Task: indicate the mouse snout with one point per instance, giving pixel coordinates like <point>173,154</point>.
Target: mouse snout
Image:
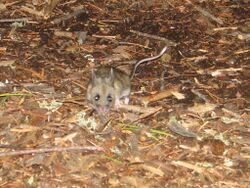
<point>103,109</point>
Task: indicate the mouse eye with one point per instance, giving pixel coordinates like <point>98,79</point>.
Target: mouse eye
<point>109,98</point>
<point>97,97</point>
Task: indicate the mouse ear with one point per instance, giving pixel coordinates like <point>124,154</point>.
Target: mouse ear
<point>93,75</point>
<point>111,74</point>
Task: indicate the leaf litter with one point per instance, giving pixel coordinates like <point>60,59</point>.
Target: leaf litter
<point>51,137</point>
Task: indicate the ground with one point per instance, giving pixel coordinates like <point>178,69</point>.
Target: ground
<point>188,120</point>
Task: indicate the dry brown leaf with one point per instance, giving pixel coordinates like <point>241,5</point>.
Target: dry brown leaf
<point>153,170</point>
<point>202,108</point>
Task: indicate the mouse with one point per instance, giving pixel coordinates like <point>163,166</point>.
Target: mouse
<point>108,86</point>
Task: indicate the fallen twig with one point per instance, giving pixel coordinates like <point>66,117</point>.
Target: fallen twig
<point>95,7</point>
<point>225,28</point>
<point>224,72</point>
<point>159,96</point>
<point>196,168</point>
<point>242,51</point>
<point>167,41</point>
<point>207,173</point>
<point>54,149</point>
<point>134,44</point>
<point>14,20</point>
<point>109,37</point>
<point>206,13</point>
<point>139,109</point>
<point>34,87</point>
<point>15,94</point>
<point>144,111</point>
<point>153,111</point>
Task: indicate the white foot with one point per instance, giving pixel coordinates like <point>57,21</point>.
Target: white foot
<point>117,104</point>
<point>126,100</point>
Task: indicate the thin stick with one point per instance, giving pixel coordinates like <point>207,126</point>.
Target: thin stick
<point>134,44</point>
<point>198,169</point>
<point>7,20</point>
<point>144,111</point>
<point>54,149</point>
<point>168,42</point>
<point>159,96</point>
<point>95,7</point>
<point>206,13</point>
<point>139,109</point>
<point>225,28</point>
<point>143,116</point>
<point>110,37</point>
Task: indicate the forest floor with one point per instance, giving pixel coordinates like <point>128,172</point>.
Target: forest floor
<point>188,121</point>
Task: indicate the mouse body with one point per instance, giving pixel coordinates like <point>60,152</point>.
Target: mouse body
<point>108,86</point>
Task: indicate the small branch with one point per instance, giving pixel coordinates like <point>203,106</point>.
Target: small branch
<point>225,28</point>
<point>226,71</point>
<point>7,20</point>
<point>242,51</point>
<point>95,7</point>
<point>197,169</point>
<point>15,94</point>
<point>109,37</point>
<point>159,96</point>
<point>139,109</point>
<point>144,111</point>
<point>54,149</point>
<point>151,112</point>
<point>167,42</point>
<point>134,44</point>
<point>206,13</point>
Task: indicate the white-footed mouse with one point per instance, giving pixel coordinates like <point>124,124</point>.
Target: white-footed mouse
<point>108,85</point>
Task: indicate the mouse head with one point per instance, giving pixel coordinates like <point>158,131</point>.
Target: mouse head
<point>100,91</point>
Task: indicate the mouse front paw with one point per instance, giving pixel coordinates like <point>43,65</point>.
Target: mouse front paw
<point>126,100</point>
<point>117,104</point>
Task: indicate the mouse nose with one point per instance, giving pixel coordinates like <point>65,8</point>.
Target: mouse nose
<point>103,110</point>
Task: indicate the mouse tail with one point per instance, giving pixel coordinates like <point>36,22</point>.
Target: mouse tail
<point>146,60</point>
